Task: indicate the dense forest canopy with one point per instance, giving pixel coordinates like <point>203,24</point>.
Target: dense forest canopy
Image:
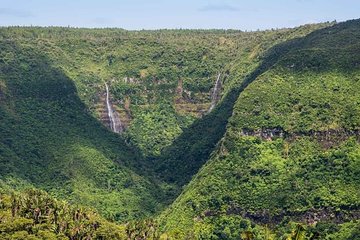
<point>278,157</point>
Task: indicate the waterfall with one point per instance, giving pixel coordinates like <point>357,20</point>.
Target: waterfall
<point>114,119</point>
<point>215,95</point>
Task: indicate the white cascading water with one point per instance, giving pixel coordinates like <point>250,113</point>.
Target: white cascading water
<point>115,122</point>
<point>216,93</point>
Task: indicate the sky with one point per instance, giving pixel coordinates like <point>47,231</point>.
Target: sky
<point>159,14</point>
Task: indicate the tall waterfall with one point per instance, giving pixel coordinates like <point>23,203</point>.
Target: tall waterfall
<point>215,95</point>
<point>114,119</point>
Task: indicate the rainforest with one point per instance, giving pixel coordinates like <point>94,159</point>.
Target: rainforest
<point>108,133</point>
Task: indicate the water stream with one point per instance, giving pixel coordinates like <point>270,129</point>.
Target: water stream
<point>114,119</point>
<point>215,96</point>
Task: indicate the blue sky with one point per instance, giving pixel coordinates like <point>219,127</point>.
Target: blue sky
<point>155,14</point>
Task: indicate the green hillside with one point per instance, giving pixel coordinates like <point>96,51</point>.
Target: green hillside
<point>52,87</point>
<point>167,72</point>
<point>50,141</point>
<point>277,158</point>
<point>147,71</point>
<point>194,146</point>
<point>290,152</point>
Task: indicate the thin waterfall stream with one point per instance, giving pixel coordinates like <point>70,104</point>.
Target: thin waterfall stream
<point>215,96</point>
<point>114,119</point>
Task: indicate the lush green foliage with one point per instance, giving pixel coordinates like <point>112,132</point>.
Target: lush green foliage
<point>144,67</point>
<point>155,127</point>
<point>291,148</point>
<point>310,87</point>
<point>283,142</point>
<point>49,140</point>
<point>266,181</point>
<point>35,215</point>
<point>194,146</point>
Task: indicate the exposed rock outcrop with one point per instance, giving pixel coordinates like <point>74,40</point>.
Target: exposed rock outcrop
<point>327,139</point>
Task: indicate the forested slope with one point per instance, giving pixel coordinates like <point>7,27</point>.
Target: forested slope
<point>49,140</point>
<point>278,157</point>
<point>181,160</point>
<point>160,81</point>
<point>52,86</point>
<point>290,153</point>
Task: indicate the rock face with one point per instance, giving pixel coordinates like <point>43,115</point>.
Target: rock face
<point>311,216</point>
<point>267,134</point>
<point>326,139</point>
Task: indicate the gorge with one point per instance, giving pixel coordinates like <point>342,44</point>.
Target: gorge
<point>199,134</point>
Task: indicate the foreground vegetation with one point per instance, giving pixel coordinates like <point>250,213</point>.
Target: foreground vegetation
<point>35,215</point>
